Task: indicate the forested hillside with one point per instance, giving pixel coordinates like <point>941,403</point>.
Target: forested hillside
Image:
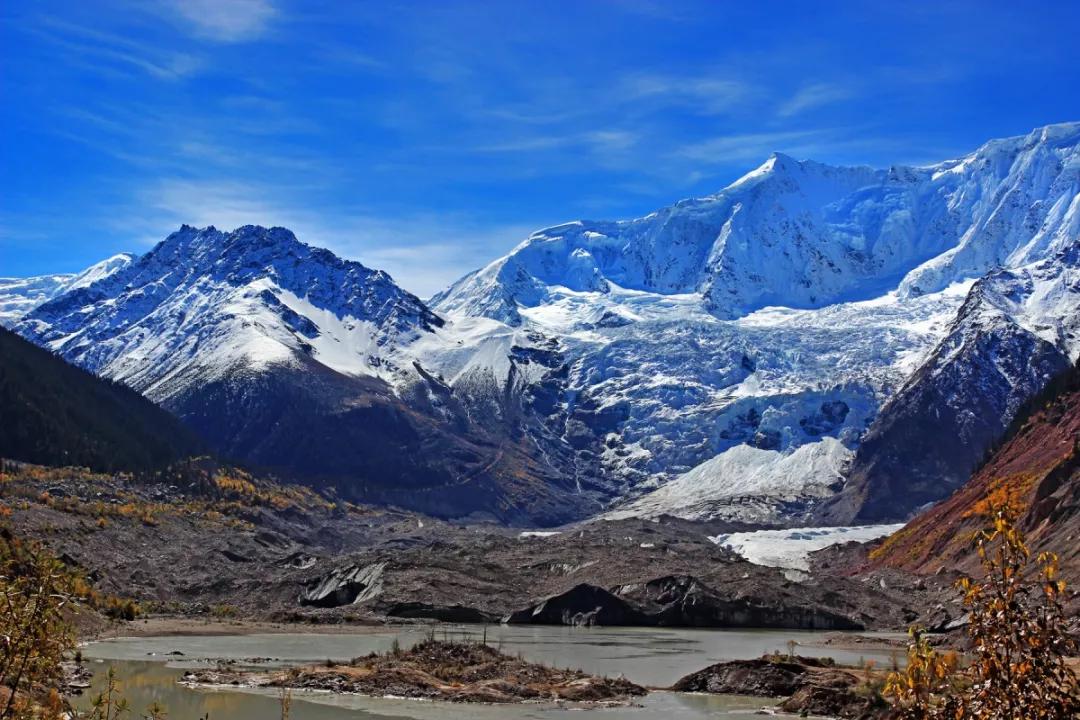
<point>53,413</point>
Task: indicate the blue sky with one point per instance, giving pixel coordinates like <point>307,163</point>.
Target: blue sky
<point>428,138</point>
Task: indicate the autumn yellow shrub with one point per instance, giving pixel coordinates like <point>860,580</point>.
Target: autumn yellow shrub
<point>1018,630</point>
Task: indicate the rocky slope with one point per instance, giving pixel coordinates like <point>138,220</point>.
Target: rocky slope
<point>212,540</point>
<point>1036,472</point>
<point>1016,329</point>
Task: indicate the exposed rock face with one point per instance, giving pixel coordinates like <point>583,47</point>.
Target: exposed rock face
<point>1036,471</point>
<point>746,677</point>
<point>580,605</point>
<point>345,586</point>
<point>685,601</point>
<point>673,601</point>
<point>442,613</point>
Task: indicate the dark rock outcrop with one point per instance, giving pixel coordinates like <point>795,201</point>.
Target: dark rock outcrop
<point>580,605</point>
<point>343,586</point>
<point>745,677</point>
<point>442,613</point>
<point>685,601</point>
<point>811,686</point>
<point>673,601</point>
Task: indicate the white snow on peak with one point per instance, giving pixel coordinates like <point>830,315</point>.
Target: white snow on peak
<point>18,296</point>
<point>99,271</point>
<point>204,304</point>
<point>803,234</point>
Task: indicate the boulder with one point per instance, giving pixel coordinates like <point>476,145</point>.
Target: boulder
<point>684,601</point>
<point>829,701</point>
<point>746,677</point>
<point>580,605</point>
<point>344,586</point>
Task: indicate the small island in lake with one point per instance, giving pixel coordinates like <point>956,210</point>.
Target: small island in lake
<point>810,686</point>
<point>436,670</point>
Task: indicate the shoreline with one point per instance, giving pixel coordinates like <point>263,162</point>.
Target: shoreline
<point>180,626</point>
<point>183,626</point>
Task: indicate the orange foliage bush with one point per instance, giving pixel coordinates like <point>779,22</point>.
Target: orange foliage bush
<point>1020,644</point>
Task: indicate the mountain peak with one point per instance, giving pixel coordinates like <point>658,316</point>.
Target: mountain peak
<point>250,298</point>
<point>802,234</point>
<point>245,236</point>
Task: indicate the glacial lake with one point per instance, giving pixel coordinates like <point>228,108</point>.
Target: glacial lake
<point>148,669</point>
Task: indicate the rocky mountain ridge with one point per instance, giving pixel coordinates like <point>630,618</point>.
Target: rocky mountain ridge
<point>765,354</point>
<point>1035,472</point>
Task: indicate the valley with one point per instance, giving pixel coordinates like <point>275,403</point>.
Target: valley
<point>621,359</point>
<point>777,414</point>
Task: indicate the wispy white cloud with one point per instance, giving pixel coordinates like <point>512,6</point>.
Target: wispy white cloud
<point>225,20</point>
<point>706,95</point>
<point>111,53</point>
<point>343,59</point>
<point>751,147</point>
<point>851,145</point>
<point>813,96</point>
<point>598,142</point>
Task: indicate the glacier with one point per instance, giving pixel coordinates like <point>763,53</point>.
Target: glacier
<point>790,548</point>
<point>746,342</point>
<point>757,355</point>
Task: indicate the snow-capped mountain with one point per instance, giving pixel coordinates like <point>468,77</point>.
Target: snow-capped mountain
<point>296,360</point>
<point>19,296</point>
<point>204,302</point>
<point>779,352</point>
<point>734,349</point>
<point>802,234</point>
<point>1017,328</point>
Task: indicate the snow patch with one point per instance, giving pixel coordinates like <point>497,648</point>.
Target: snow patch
<point>791,548</point>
